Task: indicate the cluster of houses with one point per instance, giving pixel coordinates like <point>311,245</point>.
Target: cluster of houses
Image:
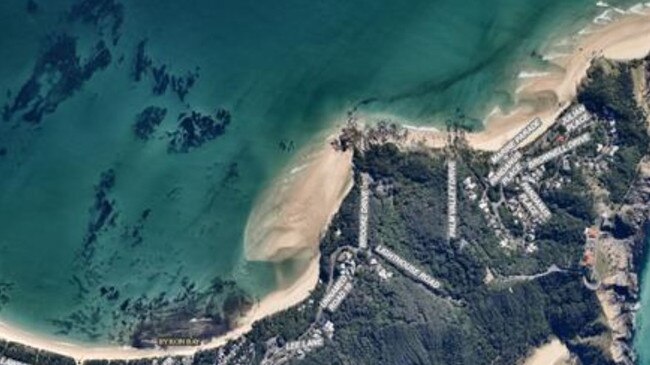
<point>559,151</point>
<point>470,188</point>
<point>508,170</point>
<point>534,204</point>
<point>575,118</point>
<point>382,272</point>
<point>345,263</point>
<point>514,142</point>
<point>493,222</point>
<point>527,207</point>
<point>314,339</point>
<point>311,340</point>
<point>512,166</point>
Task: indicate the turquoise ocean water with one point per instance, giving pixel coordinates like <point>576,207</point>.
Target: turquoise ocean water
<point>97,223</point>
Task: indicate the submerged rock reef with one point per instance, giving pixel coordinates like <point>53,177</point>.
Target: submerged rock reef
<point>5,289</point>
<point>59,72</point>
<point>62,68</point>
<point>147,121</point>
<point>161,77</point>
<point>195,313</point>
<point>103,213</point>
<point>101,14</point>
<point>182,308</point>
<point>195,129</point>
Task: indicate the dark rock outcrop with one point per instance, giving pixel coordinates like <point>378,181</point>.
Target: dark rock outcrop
<point>102,213</point>
<point>32,7</point>
<point>147,121</point>
<point>99,13</point>
<point>142,62</point>
<point>163,79</point>
<point>57,75</point>
<point>195,129</point>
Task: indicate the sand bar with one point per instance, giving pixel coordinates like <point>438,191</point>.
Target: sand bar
<point>290,217</point>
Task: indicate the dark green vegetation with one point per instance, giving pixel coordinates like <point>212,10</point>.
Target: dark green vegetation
<point>399,321</point>
<point>609,93</point>
<point>32,356</point>
<point>561,239</point>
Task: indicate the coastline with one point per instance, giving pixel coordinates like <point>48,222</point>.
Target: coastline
<point>544,94</point>
<point>289,217</point>
<point>272,303</point>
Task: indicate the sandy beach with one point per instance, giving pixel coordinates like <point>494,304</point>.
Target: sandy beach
<point>280,299</point>
<point>552,353</point>
<point>291,216</point>
<point>547,93</point>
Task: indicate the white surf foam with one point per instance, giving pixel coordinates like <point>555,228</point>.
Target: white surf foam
<point>604,18</point>
<point>584,31</point>
<point>421,128</point>
<point>531,74</point>
<point>554,55</point>
<point>298,168</point>
<point>637,9</point>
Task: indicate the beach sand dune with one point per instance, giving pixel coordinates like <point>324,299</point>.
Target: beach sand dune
<point>291,216</point>
<point>546,96</point>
